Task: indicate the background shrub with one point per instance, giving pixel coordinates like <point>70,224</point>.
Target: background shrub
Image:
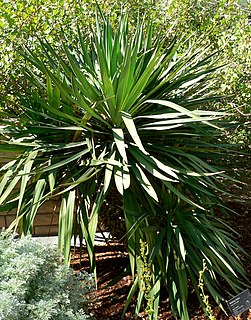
<point>224,25</point>
<point>34,285</point>
<point>23,22</point>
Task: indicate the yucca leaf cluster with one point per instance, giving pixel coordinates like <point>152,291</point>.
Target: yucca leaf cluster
<point>125,109</point>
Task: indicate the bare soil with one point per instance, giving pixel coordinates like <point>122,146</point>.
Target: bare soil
<point>109,299</point>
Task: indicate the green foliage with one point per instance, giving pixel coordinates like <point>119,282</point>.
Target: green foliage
<point>225,26</point>
<point>205,297</point>
<point>125,109</point>
<point>34,285</point>
<point>23,22</point>
<point>145,278</point>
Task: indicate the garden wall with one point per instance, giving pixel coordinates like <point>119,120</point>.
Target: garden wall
<point>46,221</point>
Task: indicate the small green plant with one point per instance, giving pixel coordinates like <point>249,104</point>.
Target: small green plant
<point>203,295</point>
<point>145,283</point>
<point>35,286</point>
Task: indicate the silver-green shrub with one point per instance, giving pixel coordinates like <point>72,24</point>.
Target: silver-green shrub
<point>34,285</point>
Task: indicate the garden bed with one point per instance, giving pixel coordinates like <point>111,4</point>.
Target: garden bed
<point>109,300</point>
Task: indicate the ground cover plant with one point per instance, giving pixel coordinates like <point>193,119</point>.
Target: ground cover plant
<point>124,110</point>
<point>35,285</point>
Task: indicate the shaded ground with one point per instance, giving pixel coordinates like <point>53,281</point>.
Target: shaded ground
<point>108,301</point>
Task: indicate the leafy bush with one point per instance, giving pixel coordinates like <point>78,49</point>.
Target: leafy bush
<point>23,22</point>
<point>34,285</point>
<point>224,26</point>
<point>124,110</point>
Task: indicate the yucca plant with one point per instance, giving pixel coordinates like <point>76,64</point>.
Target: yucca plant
<point>124,109</point>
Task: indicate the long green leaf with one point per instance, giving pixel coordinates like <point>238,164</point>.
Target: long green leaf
<point>66,216</point>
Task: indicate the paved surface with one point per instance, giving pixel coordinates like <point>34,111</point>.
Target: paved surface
<point>53,240</point>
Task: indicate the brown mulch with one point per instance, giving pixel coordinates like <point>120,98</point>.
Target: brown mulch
<point>109,299</point>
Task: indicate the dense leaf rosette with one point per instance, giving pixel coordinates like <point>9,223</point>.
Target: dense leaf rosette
<point>125,110</point>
